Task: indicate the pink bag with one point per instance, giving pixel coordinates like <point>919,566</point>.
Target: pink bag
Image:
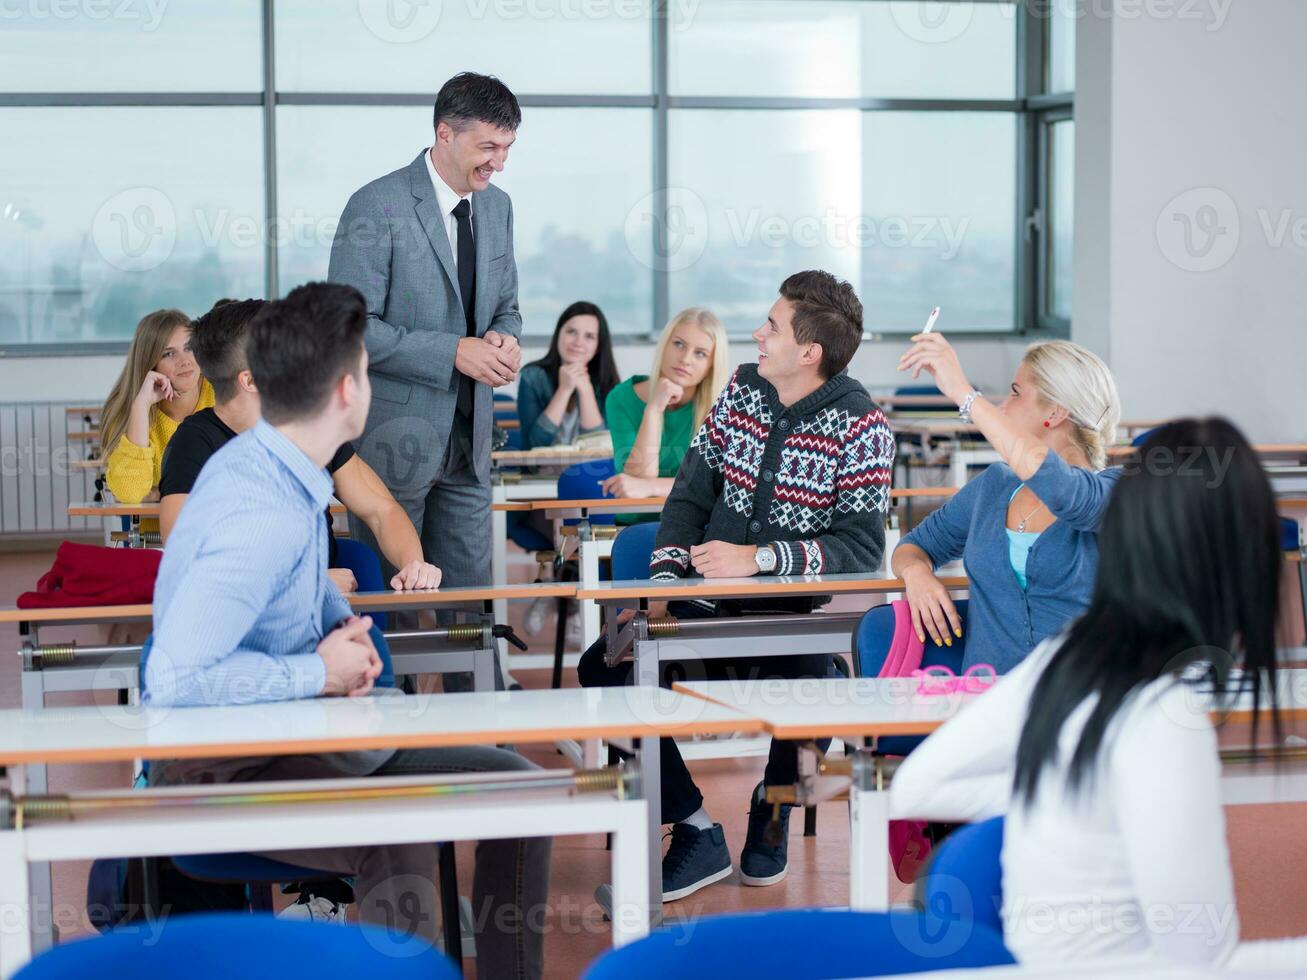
<point>909,847</point>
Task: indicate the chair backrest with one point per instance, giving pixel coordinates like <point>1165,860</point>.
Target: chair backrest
<point>366,566</point>
<point>965,878</point>
<point>1290,535</point>
<point>584,482</point>
<point>1142,438</point>
<point>929,390</point>
<point>632,549</point>
<point>213,946</point>
<point>816,944</point>
<point>875,633</point>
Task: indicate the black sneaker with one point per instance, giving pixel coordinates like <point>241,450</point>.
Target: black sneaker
<point>763,862</point>
<point>696,858</point>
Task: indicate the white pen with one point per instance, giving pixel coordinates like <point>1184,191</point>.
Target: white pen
<point>930,323</point>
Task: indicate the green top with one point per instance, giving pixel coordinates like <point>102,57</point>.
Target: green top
<point>624,410</point>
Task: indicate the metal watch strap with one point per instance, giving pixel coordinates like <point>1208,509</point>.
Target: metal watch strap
<point>964,410</point>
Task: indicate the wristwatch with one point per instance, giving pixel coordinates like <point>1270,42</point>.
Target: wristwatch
<point>765,559</point>
<point>964,410</point>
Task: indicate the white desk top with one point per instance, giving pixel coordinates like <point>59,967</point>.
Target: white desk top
<point>818,707</point>
<point>108,733</point>
<point>813,708</point>
<point>758,585</point>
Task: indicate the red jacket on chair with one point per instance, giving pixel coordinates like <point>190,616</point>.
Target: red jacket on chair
<point>89,575</point>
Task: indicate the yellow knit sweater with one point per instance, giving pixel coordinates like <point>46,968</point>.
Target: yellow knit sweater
<point>133,471</point>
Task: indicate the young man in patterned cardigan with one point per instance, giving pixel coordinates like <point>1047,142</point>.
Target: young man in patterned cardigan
<point>789,475</point>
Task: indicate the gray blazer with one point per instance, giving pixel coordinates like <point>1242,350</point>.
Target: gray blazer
<point>392,247</point>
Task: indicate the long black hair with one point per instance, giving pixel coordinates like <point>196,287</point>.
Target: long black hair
<point>603,368</point>
<point>1189,566</point>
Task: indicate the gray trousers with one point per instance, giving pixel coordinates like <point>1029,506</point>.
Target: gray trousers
<point>452,518</point>
<point>394,884</point>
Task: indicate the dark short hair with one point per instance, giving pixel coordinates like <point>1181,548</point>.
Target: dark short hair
<point>218,343</point>
<point>300,346</point>
<point>828,312</point>
<point>469,97</point>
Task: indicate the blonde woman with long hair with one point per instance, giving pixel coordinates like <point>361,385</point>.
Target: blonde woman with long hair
<point>1028,526</point>
<point>159,386</point>
<point>653,418</point>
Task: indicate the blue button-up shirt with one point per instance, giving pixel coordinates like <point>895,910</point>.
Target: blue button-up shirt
<point>243,598</point>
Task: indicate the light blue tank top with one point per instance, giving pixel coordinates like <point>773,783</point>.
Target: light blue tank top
<point>1019,544</point>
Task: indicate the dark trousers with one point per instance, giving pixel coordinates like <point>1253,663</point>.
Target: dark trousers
<point>680,796</point>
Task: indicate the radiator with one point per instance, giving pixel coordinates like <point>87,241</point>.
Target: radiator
<point>37,477</point>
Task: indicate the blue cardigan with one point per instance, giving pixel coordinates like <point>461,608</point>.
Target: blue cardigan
<point>1004,621</point>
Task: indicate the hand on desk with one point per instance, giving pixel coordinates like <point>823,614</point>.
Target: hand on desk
<point>351,661</point>
<point>416,575</point>
<point>717,559</point>
<point>492,362</point>
<point>625,485</point>
<point>343,579</point>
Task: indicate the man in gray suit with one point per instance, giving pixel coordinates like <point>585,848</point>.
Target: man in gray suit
<point>430,247</point>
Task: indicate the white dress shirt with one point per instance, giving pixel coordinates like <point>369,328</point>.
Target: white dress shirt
<point>448,200</point>
<point>1135,864</point>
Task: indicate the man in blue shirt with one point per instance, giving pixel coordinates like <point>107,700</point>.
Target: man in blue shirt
<point>244,612</point>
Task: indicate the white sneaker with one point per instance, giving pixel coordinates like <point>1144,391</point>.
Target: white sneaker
<point>534,620</point>
<point>315,908</point>
<point>573,636</point>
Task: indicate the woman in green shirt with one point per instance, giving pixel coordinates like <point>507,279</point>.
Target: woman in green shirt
<point>653,419</point>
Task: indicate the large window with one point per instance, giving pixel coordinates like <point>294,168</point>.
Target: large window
<point>672,152</point>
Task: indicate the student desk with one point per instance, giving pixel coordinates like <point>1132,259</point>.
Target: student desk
<point>37,829</point>
<point>650,642</point>
<point>867,708</point>
<point>49,668</point>
<point>111,511</point>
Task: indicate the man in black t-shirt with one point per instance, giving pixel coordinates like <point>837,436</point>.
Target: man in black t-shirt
<point>218,342</point>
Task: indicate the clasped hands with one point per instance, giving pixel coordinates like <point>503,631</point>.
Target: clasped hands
<point>493,359</point>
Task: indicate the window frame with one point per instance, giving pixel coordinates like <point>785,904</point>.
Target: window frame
<point>1035,110</point>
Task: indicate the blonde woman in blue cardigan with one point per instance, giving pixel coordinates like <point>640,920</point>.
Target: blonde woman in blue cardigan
<point>1027,528</point>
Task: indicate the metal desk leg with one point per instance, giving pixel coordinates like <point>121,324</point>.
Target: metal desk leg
<point>15,937</point>
<point>35,779</point>
<point>646,675</point>
<point>631,910</point>
<point>499,570</point>
<point>869,849</point>
<point>588,558</point>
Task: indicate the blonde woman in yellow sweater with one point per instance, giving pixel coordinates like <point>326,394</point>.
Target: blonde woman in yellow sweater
<point>160,385</point>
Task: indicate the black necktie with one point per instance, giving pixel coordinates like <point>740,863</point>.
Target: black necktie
<point>467,285</point>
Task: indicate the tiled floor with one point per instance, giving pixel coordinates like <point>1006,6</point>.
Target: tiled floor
<point>1269,845</point>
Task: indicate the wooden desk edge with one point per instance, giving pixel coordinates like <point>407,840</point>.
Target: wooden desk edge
<point>744,724</point>
<point>702,588</point>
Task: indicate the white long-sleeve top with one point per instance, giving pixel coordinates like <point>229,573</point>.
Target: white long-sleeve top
<point>1134,864</point>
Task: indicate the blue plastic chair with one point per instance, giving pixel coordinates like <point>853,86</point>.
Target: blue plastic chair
<point>584,482</point>
<point>1142,438</point>
<point>871,643</point>
<point>632,549</point>
<point>220,946</point>
<point>366,566</point>
<point>965,877</point>
<point>804,944</point>
<point>1290,535</point>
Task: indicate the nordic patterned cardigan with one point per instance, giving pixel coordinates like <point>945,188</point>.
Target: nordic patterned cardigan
<point>812,480</point>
